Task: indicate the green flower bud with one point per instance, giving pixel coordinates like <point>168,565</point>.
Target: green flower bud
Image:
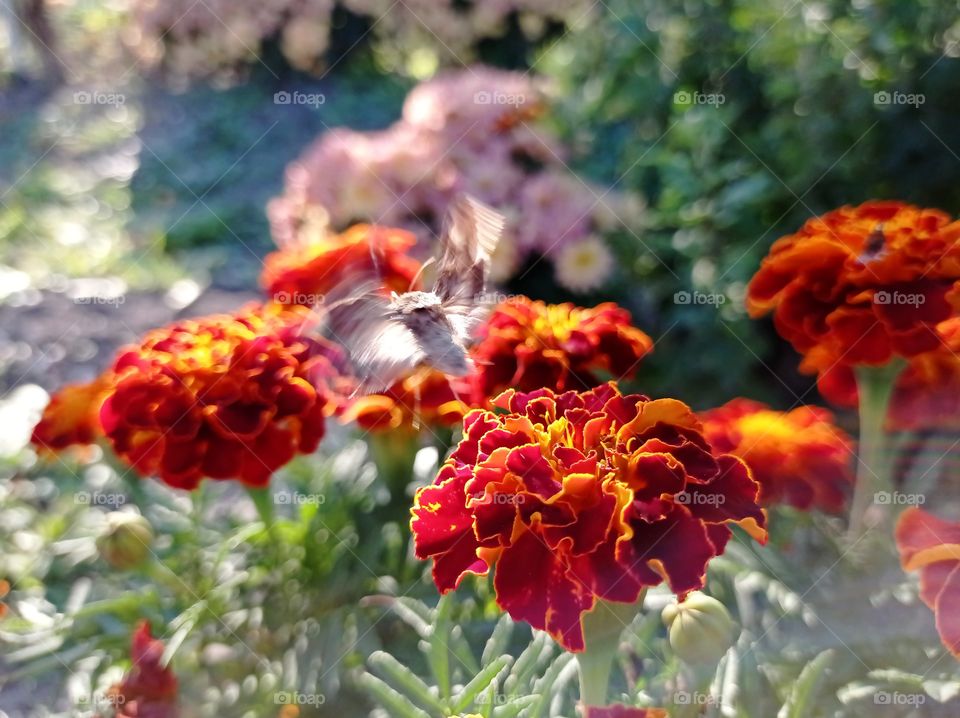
<point>700,628</point>
<point>126,541</point>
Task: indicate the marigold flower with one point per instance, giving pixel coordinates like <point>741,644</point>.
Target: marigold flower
<point>4,590</point>
<point>861,285</point>
<point>580,497</point>
<point>799,457</point>
<point>424,397</point>
<point>303,273</point>
<point>225,396</point>
<point>528,344</point>
<point>926,393</point>
<point>72,418</point>
<point>148,690</point>
<point>932,546</point>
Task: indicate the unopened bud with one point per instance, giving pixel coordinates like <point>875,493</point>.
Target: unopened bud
<point>126,541</point>
<point>700,628</point>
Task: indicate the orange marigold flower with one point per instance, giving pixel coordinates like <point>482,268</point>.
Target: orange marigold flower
<point>426,396</point>
<point>799,457</point>
<point>861,285</point>
<point>304,273</point>
<point>926,393</point>
<point>72,418</point>
<point>225,396</point>
<point>932,546</point>
<point>580,497</point>
<point>148,690</point>
<point>4,590</point>
<point>528,344</point>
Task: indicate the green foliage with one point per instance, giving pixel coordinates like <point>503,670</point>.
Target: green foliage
<point>538,682</point>
<point>785,126</point>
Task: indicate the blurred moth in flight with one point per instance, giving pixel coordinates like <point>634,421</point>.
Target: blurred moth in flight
<point>387,336</point>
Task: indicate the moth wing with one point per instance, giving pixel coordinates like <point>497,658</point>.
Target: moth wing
<point>469,238</point>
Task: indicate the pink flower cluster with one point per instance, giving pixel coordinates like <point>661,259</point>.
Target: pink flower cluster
<point>196,38</point>
<point>470,130</point>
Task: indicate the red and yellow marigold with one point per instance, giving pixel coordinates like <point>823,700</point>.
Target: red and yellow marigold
<point>926,393</point>
<point>72,418</point>
<point>425,397</point>
<point>799,457</point>
<point>580,497</point>
<point>226,397</point>
<point>305,273</point>
<point>528,344</point>
<point>862,285</point>
<point>930,545</point>
<point>149,689</point>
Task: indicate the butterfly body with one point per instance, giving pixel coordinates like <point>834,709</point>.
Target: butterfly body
<point>386,337</point>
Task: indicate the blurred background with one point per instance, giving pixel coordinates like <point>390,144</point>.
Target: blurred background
<point>153,152</point>
<point>142,142</point>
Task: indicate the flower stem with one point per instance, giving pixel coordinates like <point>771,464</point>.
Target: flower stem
<point>263,500</point>
<point>874,475</point>
<point>602,628</point>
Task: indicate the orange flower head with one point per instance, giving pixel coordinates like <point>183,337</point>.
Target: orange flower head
<point>72,418</point>
<point>930,545</point>
<point>799,457</point>
<point>226,397</point>
<point>861,285</point>
<point>926,393</point>
<point>149,689</point>
<point>305,273</point>
<point>528,344</point>
<point>580,497</point>
<point>426,397</point>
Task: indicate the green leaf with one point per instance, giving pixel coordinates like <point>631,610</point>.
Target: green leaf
<point>512,708</point>
<point>480,682</point>
<point>800,702</point>
<point>406,681</point>
<point>397,705</point>
<point>533,655</point>
<point>497,643</point>
<point>415,614</point>
<point>438,650</point>
<point>546,688</point>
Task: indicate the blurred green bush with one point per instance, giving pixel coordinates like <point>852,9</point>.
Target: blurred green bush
<point>738,121</point>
